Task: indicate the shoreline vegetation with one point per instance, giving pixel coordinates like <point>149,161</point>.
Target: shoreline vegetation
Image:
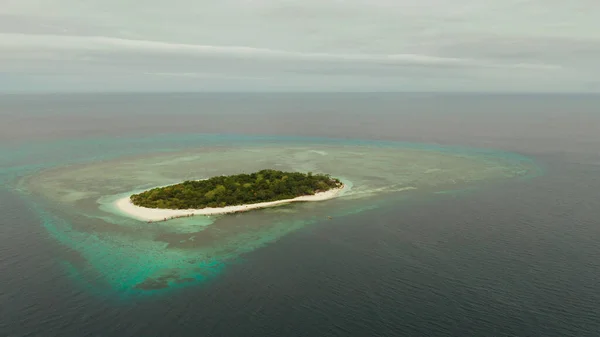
<point>229,194</point>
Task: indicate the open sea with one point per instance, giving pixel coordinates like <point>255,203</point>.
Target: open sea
<point>468,215</point>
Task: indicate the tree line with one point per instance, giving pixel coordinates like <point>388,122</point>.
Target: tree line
<point>221,191</point>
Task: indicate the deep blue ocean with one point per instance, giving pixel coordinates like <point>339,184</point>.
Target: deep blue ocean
<point>518,258</point>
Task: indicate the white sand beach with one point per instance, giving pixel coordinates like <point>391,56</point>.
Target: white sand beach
<point>156,214</point>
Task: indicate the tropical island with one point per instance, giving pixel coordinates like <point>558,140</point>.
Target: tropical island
<point>230,194</point>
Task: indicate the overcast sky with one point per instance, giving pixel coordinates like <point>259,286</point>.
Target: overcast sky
<point>308,45</point>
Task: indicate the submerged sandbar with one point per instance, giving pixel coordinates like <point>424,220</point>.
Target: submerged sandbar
<point>133,256</point>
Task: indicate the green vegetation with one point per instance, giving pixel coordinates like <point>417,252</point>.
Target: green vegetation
<point>262,186</point>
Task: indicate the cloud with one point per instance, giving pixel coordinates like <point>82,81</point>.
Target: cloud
<point>22,43</point>
<point>206,76</point>
<point>491,45</point>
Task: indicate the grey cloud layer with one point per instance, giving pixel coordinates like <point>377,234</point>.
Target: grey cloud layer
<point>490,45</point>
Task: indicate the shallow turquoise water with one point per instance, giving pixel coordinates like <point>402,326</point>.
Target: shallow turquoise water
<point>71,185</point>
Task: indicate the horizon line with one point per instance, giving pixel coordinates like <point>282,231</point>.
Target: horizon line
<point>142,92</point>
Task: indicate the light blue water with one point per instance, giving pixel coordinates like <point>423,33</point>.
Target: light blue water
<point>133,257</point>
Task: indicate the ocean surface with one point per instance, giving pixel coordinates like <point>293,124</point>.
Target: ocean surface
<point>468,215</point>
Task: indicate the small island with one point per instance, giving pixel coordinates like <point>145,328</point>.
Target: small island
<point>230,194</point>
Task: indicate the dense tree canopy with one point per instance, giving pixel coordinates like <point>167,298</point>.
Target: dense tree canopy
<point>262,186</point>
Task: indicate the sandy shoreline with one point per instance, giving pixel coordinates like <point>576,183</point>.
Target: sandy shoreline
<point>156,214</point>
